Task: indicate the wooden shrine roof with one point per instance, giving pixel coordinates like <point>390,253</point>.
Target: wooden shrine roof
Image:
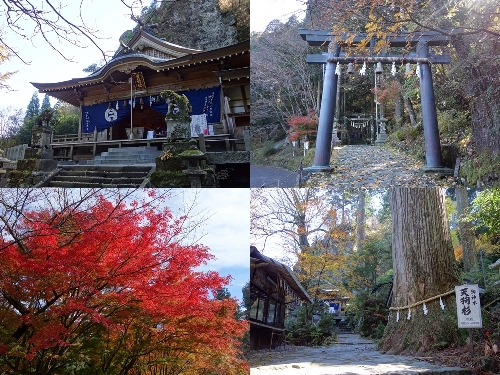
<point>174,67</point>
<point>274,267</point>
<point>142,41</point>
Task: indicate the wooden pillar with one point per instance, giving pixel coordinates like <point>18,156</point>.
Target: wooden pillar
<point>429,115</point>
<point>327,111</point>
<point>80,122</point>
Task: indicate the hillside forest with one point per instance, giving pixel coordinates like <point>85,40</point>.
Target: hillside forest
<point>378,252</point>
<point>286,91</point>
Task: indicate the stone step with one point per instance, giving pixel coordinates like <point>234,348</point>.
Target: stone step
<point>122,161</point>
<point>109,168</point>
<point>101,179</point>
<point>143,155</point>
<point>123,150</point>
<point>108,174</point>
<point>126,156</point>
<point>101,176</point>
<point>87,185</point>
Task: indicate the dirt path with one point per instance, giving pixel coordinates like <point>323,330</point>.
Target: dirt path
<point>351,355</point>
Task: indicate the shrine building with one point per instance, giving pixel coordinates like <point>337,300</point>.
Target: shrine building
<point>274,292</point>
<point>121,106</point>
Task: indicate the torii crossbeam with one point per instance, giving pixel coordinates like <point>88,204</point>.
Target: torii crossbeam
<point>419,40</point>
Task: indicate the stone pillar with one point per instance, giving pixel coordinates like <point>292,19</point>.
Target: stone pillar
<point>41,136</point>
<point>429,115</point>
<point>335,138</point>
<point>326,115</point>
<point>382,135</point>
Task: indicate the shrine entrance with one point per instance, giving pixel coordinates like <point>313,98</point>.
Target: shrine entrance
<point>357,129</point>
<point>336,56</point>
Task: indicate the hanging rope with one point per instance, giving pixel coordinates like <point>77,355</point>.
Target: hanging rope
<point>421,302</point>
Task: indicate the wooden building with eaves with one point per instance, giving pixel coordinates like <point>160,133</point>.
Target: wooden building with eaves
<point>120,105</point>
<point>274,291</point>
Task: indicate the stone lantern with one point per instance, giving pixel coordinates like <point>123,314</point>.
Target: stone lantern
<point>382,135</point>
<point>335,138</point>
<point>194,158</point>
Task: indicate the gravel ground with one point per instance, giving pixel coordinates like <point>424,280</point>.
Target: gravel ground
<point>357,166</point>
<point>350,356</point>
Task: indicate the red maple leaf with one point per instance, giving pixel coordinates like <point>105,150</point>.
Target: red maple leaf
<point>111,285</point>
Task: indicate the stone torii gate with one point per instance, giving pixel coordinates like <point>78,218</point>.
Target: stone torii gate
<point>419,40</point>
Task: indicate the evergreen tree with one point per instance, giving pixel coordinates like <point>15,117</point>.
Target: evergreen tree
<point>32,112</point>
<point>33,109</point>
<point>424,267</point>
<point>45,103</point>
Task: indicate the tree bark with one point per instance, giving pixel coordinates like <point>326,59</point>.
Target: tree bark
<point>360,221</point>
<point>398,111</point>
<point>424,266</point>
<point>483,93</point>
<point>466,231</point>
<point>411,111</point>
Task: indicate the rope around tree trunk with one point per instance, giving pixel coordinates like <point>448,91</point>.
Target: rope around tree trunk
<point>421,302</point>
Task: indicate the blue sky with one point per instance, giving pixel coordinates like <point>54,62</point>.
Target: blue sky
<point>110,18</point>
<point>221,218</point>
<point>226,232</point>
<point>264,11</point>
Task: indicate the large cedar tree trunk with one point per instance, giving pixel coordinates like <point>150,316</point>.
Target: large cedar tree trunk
<point>424,266</point>
<point>466,231</point>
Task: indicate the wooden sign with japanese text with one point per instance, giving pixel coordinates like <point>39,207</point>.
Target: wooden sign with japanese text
<point>468,306</point>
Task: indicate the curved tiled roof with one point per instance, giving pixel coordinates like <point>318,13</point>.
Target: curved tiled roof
<point>67,90</point>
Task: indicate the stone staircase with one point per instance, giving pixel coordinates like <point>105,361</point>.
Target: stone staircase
<point>342,326</point>
<point>127,156</point>
<point>102,176</point>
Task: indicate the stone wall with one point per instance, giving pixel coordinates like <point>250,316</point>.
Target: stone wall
<point>15,153</point>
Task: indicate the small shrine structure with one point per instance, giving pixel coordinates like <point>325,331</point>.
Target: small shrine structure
<point>274,291</point>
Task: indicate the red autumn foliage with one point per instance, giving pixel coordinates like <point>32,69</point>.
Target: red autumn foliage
<point>302,126</point>
<point>111,288</point>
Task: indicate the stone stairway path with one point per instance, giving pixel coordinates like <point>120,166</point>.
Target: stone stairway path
<point>128,156</point>
<point>102,176</point>
<point>358,166</point>
<point>352,355</point>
